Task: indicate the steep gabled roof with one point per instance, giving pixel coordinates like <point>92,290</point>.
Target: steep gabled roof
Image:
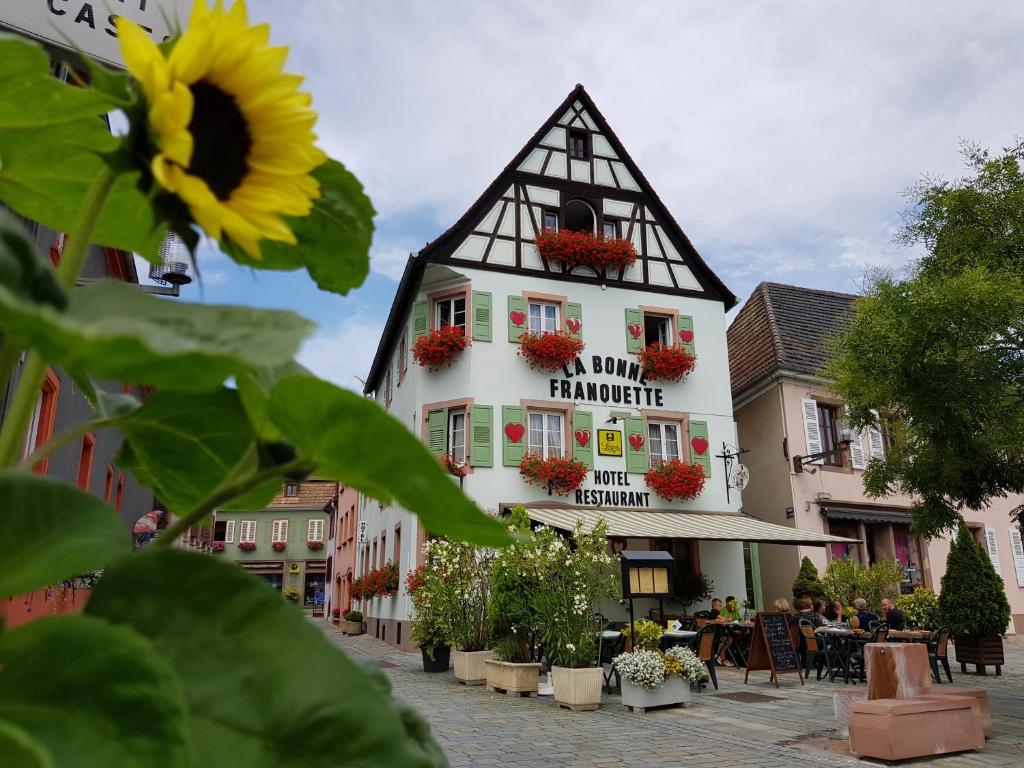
<point>785,328</point>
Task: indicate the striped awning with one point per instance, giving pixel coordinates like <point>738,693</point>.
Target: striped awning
<point>666,524</point>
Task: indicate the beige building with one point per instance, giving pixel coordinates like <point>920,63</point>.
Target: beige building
<point>784,409</point>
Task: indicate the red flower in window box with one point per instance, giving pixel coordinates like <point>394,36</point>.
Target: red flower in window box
<point>676,481</point>
<point>438,348</point>
<point>583,249</point>
<point>454,466</point>
<point>358,589</point>
<point>661,363</point>
<point>217,546</point>
<point>247,546</point>
<point>558,474</point>
<point>380,582</point>
<point>278,546</point>
<point>549,351</point>
<point>315,544</point>
<point>414,580</point>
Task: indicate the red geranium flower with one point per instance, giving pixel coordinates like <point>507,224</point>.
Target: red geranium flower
<point>661,363</point>
<point>315,544</point>
<point>247,546</point>
<point>576,249</point>
<point>454,467</point>
<point>278,546</point>
<point>414,580</point>
<point>558,474</point>
<point>549,351</point>
<point>439,347</point>
<point>217,546</point>
<point>676,481</point>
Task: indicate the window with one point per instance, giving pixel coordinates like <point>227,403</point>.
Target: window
<point>220,530</point>
<point>314,582</point>
<point>398,545</point>
<point>663,441</point>
<point>279,532</point>
<point>85,461</point>
<point>610,229</point>
<point>550,220</point>
<point>40,427</point>
<point>828,417</point>
<point>291,489</point>
<point>119,497</point>
<point>403,354</point>
<point>657,329</point>
<point>247,532</point>
<point>579,216</point>
<point>274,580</point>
<point>578,145</point>
<point>457,435</point>
<point>545,437</point>
<point>450,311</point>
<point>387,390</point>
<point>315,529</point>
<point>543,317</point>
<point>383,549</point>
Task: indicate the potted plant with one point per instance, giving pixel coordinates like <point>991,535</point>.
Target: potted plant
<point>549,350</point>
<point>920,608</point>
<point>973,605</point>
<point>453,466</point>
<point>567,600</point>
<point>353,623</point>
<point>247,546</point>
<point>439,348</point>
<point>291,594</point>
<point>807,583</point>
<point>675,480</point>
<point>279,546</point>
<point>217,546</point>
<point>559,474</point>
<point>575,249</point>
<point>315,545</point>
<point>666,363</point>
<point>643,635</point>
<point>429,629</point>
<point>654,679</point>
<point>336,616</point>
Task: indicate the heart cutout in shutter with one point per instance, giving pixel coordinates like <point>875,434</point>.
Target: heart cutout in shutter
<point>514,431</point>
<point>574,324</point>
<point>686,335</point>
<point>699,445</point>
<point>517,318</point>
<point>635,330</point>
<point>637,441</point>
<point>583,437</point>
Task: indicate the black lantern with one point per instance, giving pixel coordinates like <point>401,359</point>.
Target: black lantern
<point>646,574</point>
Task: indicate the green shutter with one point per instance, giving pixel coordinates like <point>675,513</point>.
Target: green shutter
<point>420,324</point>
<point>583,437</point>
<point>481,316</point>
<point>686,328</point>
<point>437,432</point>
<point>517,307</point>
<point>637,460</point>
<point>699,435</point>
<point>634,318</point>
<point>481,435</point>
<point>574,312</point>
<point>512,451</point>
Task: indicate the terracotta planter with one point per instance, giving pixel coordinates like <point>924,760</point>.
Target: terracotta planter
<point>577,689</point>
<point>351,627</point>
<point>469,666</point>
<point>442,659</point>
<point>674,690</point>
<point>509,677</point>
<point>981,652</point>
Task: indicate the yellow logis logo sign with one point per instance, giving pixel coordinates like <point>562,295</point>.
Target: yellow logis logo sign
<point>609,442</point>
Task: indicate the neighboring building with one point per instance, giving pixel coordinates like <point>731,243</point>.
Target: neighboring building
<point>342,544</point>
<point>486,275</point>
<point>778,344</point>
<point>286,543</point>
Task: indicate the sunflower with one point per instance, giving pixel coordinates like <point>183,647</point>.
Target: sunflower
<point>233,134</point>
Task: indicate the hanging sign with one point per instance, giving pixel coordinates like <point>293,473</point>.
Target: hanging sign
<point>609,442</point>
<point>362,531</point>
<point>740,477</point>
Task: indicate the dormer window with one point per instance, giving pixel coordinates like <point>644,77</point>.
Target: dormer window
<point>578,145</point>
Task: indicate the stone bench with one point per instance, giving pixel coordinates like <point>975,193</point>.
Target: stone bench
<point>898,729</point>
<point>979,698</point>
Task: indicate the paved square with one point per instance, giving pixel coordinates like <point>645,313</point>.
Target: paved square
<point>476,727</point>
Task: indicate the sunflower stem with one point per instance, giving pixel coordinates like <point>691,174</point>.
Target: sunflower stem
<point>72,260</point>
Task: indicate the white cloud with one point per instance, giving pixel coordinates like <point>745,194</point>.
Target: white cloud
<point>389,260</point>
<point>343,353</point>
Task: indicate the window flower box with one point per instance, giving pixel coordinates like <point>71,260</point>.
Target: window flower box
<point>662,363</point>
<point>549,351</point>
<point>676,481</point>
<point>217,546</point>
<point>315,545</point>
<point>440,347</point>
<point>655,679</point>
<point>583,249</point>
<point>453,466</point>
<point>279,546</point>
<point>247,546</point>
<point>561,475</point>
<point>380,582</point>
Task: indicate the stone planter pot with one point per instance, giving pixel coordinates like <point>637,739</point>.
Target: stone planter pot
<point>351,627</point>
<point>469,666</point>
<point>509,677</point>
<point>674,690</point>
<point>981,652</point>
<point>442,659</point>
<point>577,689</point>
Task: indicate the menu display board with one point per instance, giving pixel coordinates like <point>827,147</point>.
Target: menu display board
<point>771,647</point>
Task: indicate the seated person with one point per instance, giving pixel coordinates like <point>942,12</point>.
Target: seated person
<point>892,615</point>
<point>834,612</point>
<point>716,609</point>
<point>804,611</point>
<point>782,605</point>
<point>864,617</point>
<point>821,612</point>
<point>731,610</point>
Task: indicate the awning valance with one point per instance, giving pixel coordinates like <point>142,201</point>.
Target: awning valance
<point>866,515</point>
<point>666,524</point>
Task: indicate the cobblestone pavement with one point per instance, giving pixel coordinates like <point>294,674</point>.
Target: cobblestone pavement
<point>476,727</point>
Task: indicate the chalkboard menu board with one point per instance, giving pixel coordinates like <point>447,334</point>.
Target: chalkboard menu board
<point>771,647</point>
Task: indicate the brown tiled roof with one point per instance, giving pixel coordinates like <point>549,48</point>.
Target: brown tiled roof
<point>312,493</point>
<point>784,328</point>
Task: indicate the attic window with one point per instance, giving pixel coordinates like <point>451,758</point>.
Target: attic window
<point>579,216</point>
<point>291,489</point>
<point>578,149</point>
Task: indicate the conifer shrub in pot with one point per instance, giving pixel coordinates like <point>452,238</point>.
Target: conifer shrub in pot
<point>807,583</point>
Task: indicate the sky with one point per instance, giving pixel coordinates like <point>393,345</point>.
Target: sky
<point>782,135</point>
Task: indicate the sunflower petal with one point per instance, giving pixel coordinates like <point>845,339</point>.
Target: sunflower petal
<point>142,57</point>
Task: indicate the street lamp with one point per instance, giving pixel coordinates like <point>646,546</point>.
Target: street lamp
<point>843,444</point>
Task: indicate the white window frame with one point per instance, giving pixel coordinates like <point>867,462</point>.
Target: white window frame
<point>449,301</point>
<point>247,532</point>
<point>33,428</point>
<point>229,532</point>
<point>315,529</point>
<point>546,321</point>
<point>665,335</point>
<point>660,454</point>
<point>544,220</point>
<point>456,415</point>
<point>288,487</point>
<point>546,447</point>
<point>279,531</point>
<point>614,227</point>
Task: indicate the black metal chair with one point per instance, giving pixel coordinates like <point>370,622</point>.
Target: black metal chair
<point>816,651</point>
<point>938,651</point>
<point>705,645</point>
<point>879,634</point>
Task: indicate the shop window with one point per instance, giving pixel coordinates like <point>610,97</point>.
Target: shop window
<point>657,329</point>
<point>828,420</point>
<point>663,439</point>
<point>545,434</point>
<point>450,311</point>
<point>313,583</point>
<point>544,317</point>
<point>291,489</point>
<point>275,580</point>
<point>550,221</point>
<point>457,435</point>
<point>579,145</point>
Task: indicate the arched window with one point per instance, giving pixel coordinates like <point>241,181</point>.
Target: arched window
<point>579,216</point>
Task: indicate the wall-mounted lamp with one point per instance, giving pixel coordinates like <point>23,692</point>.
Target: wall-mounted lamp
<point>845,438</point>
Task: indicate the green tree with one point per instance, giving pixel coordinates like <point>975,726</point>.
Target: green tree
<point>939,352</point>
<point>807,583</point>
<point>847,580</point>
<point>973,599</point>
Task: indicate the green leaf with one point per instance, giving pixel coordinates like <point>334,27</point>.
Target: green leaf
<point>333,241</point>
<point>115,331</point>
<point>19,750</point>
<point>265,688</point>
<point>254,388</point>
<point>50,531</point>
<point>93,694</point>
<point>352,440</point>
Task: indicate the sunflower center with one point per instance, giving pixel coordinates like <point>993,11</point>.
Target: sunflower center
<point>220,137</point>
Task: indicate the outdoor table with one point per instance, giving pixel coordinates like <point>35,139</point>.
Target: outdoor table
<point>910,635</point>
<point>672,637</point>
<point>610,634</point>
